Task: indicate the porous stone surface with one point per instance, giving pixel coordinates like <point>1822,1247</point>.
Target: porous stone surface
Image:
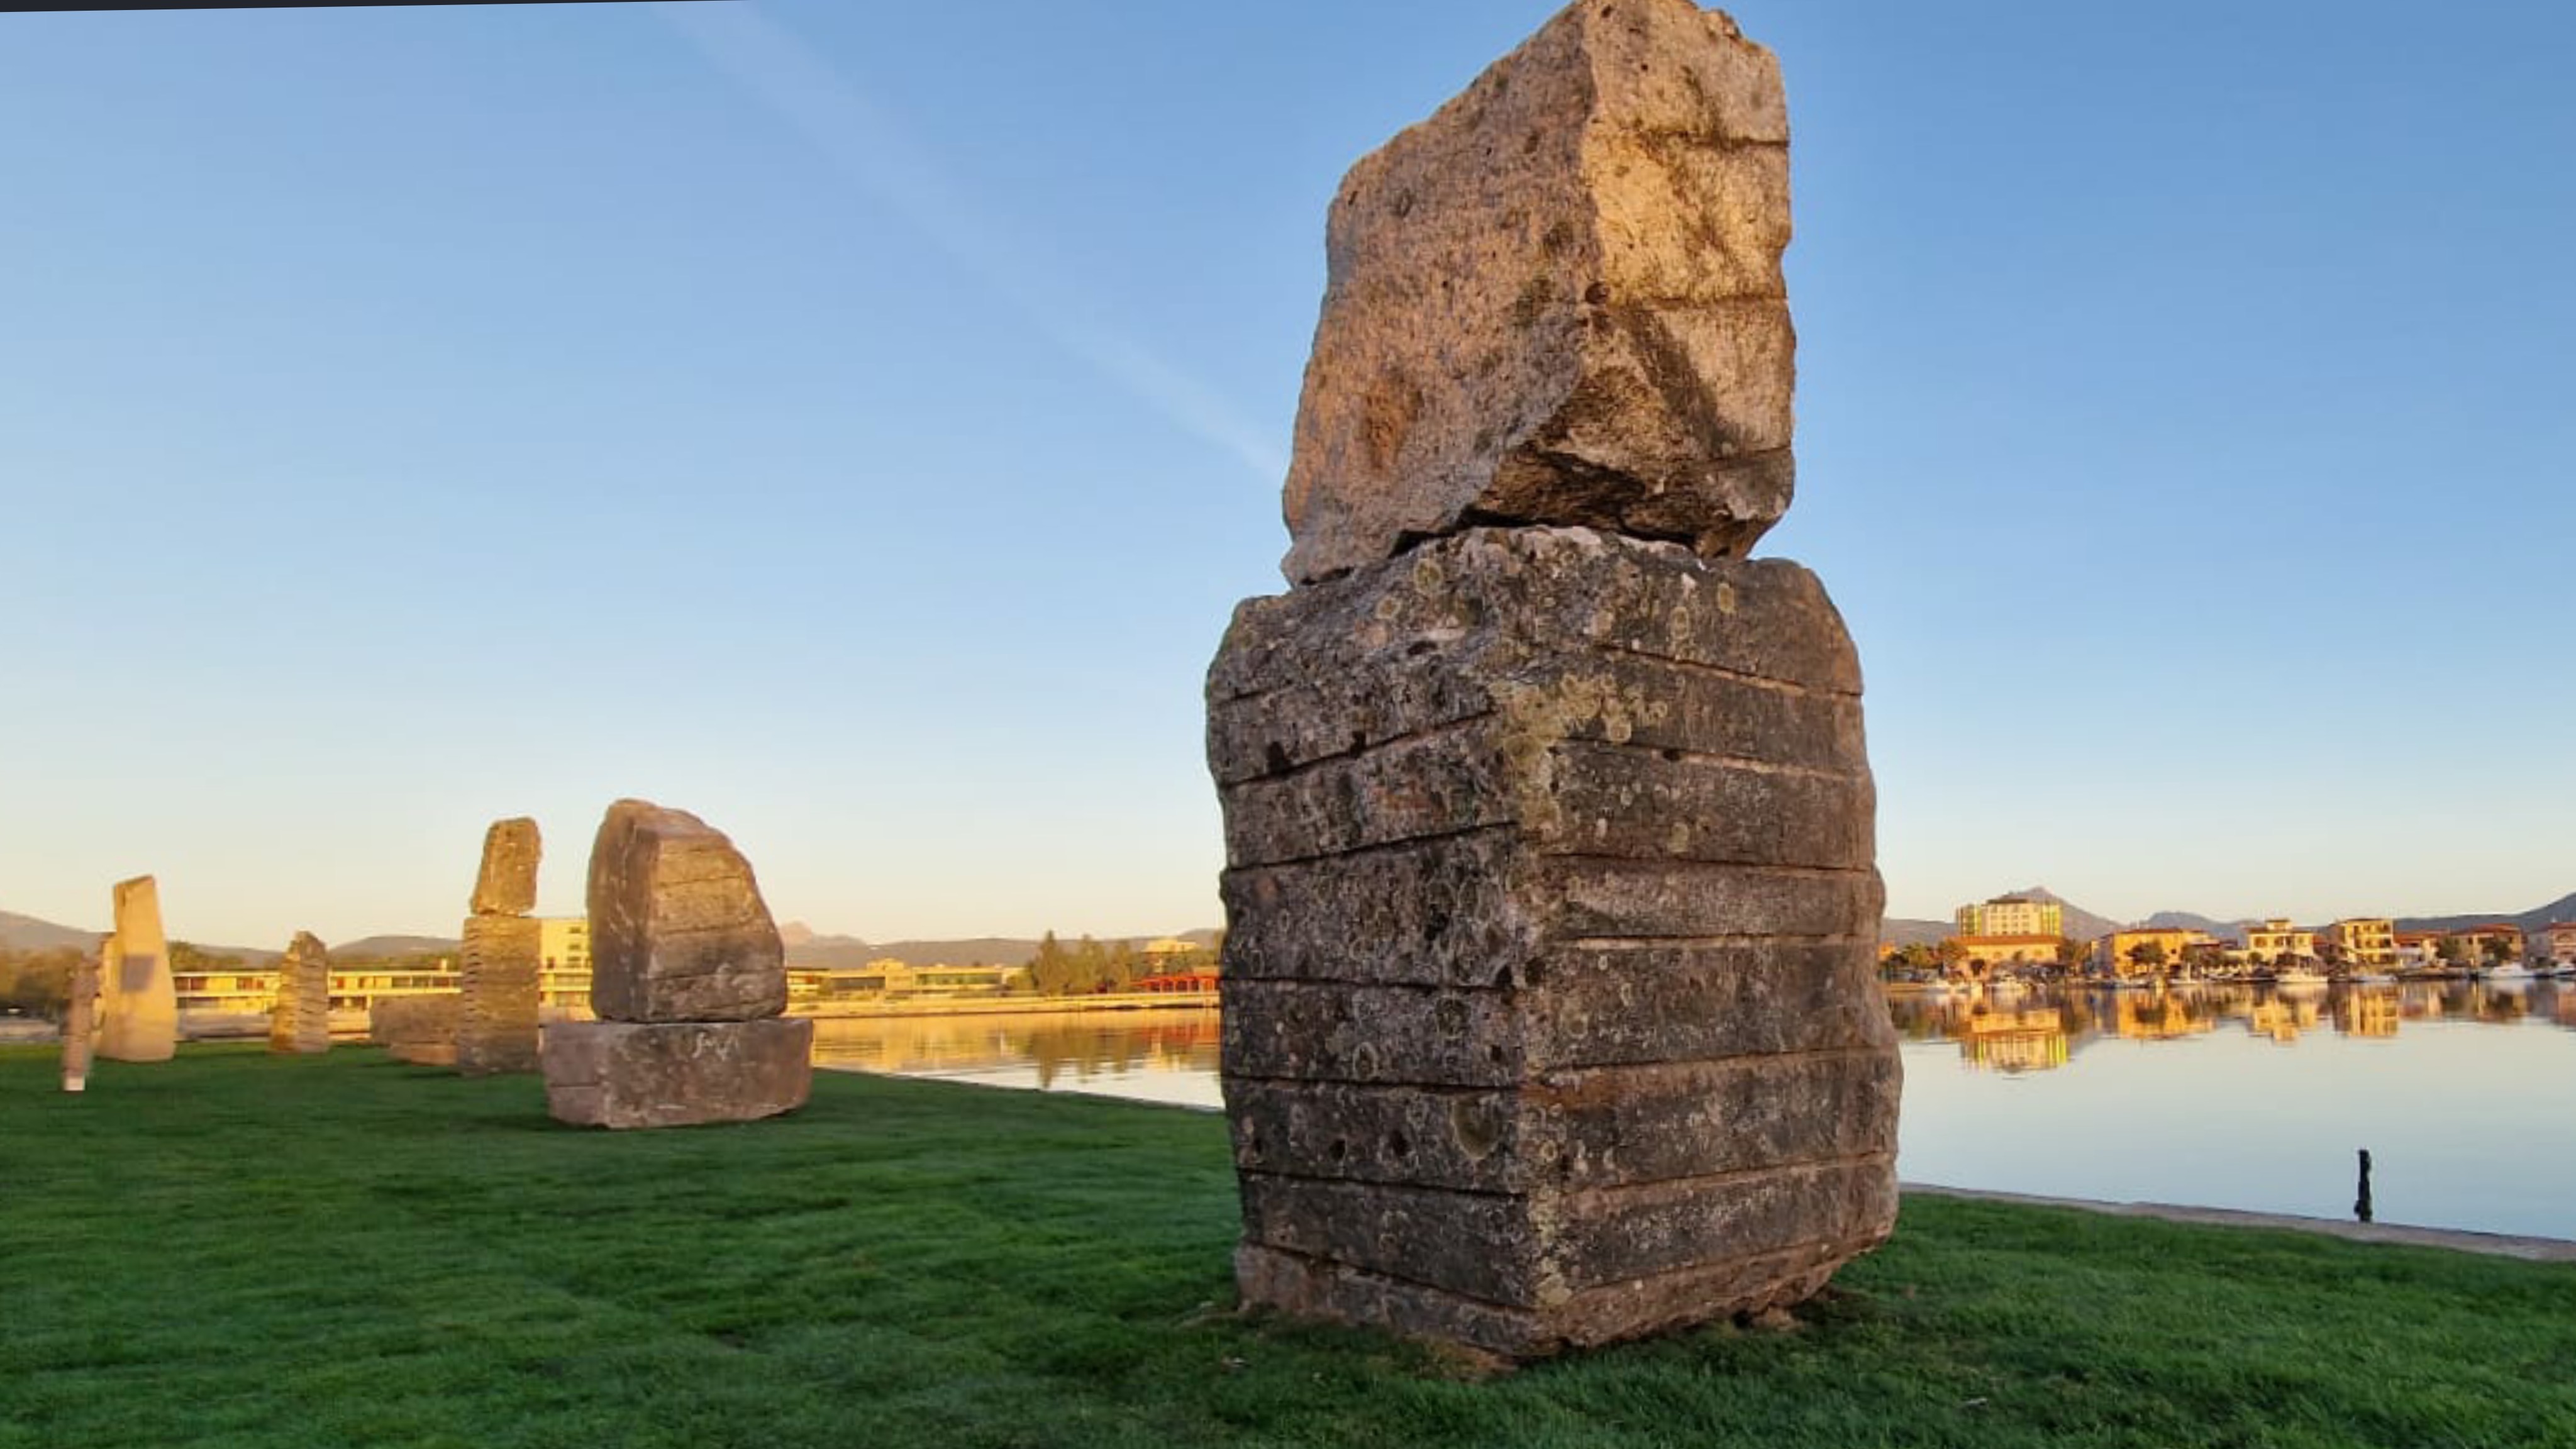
<point>498,991</point>
<point>674,1074</point>
<point>1550,1006</point>
<point>299,1023</point>
<point>80,1023</point>
<point>678,930</point>
<point>418,1029</point>
<point>138,1004</point>
<point>1558,300</point>
<point>507,883</point>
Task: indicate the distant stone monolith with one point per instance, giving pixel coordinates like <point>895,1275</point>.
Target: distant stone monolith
<point>499,962</point>
<point>688,978</point>
<point>299,1023</point>
<point>1551,888</point>
<point>138,1003</point>
<point>80,1021</point>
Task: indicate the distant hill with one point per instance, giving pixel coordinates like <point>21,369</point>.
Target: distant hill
<point>2561,909</point>
<point>381,947</point>
<point>843,952</point>
<point>2186,921</point>
<point>2080,923</point>
<point>1904,931</point>
<point>26,933</point>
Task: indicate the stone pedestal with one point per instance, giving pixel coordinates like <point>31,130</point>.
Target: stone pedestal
<point>674,1074</point>
<point>498,977</point>
<point>299,1023</point>
<point>138,1004</point>
<point>417,1029</point>
<point>1550,1008</point>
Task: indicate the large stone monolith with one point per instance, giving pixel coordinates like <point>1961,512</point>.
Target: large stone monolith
<point>138,1003</point>
<point>80,1021</point>
<point>299,1022</point>
<point>688,978</point>
<point>499,961</point>
<point>1550,1010</point>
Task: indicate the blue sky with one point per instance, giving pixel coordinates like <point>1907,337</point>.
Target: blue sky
<point>855,423</point>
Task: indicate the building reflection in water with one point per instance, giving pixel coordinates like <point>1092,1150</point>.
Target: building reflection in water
<point>1055,1045</point>
<point>2037,1028</point>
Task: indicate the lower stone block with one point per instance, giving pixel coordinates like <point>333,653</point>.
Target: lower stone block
<point>672,1074</point>
<point>499,969</point>
<point>417,1029</point>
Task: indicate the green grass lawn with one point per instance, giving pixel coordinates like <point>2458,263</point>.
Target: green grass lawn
<point>232,1249</point>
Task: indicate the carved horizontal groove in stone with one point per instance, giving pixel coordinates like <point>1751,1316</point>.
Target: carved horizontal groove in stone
<point>1632,650</point>
<point>1381,847</point>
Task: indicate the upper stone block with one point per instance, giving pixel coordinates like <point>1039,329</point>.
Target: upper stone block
<point>1559,301</point>
<point>678,931</point>
<point>507,883</point>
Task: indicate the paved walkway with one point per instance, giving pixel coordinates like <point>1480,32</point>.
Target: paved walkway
<point>2538,1250</point>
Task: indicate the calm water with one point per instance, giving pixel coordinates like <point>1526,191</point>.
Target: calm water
<point>2237,1097</point>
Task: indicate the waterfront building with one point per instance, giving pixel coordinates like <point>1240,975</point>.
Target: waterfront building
<point>888,977</point>
<point>2012,916</point>
<point>2369,941</point>
<point>2560,939</point>
<point>2277,939</point>
<point>2117,953</point>
<point>563,963</point>
<point>2008,950</point>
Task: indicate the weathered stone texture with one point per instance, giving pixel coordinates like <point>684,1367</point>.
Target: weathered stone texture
<point>1558,300</point>
<point>678,930</point>
<point>498,994</point>
<point>80,1024</point>
<point>506,885</point>
<point>1550,1010</point>
<point>418,1029</point>
<point>138,1004</point>
<point>300,1020</point>
<point>672,1074</point>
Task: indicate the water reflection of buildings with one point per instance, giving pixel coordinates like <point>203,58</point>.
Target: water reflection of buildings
<point>2016,1041</point>
<point>2042,1027</point>
<point>1053,1044</point>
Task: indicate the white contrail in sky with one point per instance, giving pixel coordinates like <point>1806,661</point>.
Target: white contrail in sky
<point>869,146</point>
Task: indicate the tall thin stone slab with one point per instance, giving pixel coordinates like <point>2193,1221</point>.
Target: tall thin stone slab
<point>138,1004</point>
<point>80,1022</point>
<point>1550,1010</point>
<point>500,960</point>
<point>688,980</point>
<point>299,1022</point>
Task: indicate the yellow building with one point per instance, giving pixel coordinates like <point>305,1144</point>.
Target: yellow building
<point>2117,953</point>
<point>563,962</point>
<point>886,976</point>
<point>1990,951</point>
<point>2276,939</point>
<point>2561,938</point>
<point>2364,940</point>
<point>2012,916</point>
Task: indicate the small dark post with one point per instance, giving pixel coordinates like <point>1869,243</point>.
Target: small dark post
<point>2361,1204</point>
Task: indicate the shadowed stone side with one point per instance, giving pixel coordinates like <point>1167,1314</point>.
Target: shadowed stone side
<point>418,1029</point>
<point>674,1074</point>
<point>138,1004</point>
<point>1558,300</point>
<point>1550,1016</point>
<point>300,1021</point>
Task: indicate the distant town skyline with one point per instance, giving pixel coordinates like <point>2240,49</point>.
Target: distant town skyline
<point>856,426</point>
